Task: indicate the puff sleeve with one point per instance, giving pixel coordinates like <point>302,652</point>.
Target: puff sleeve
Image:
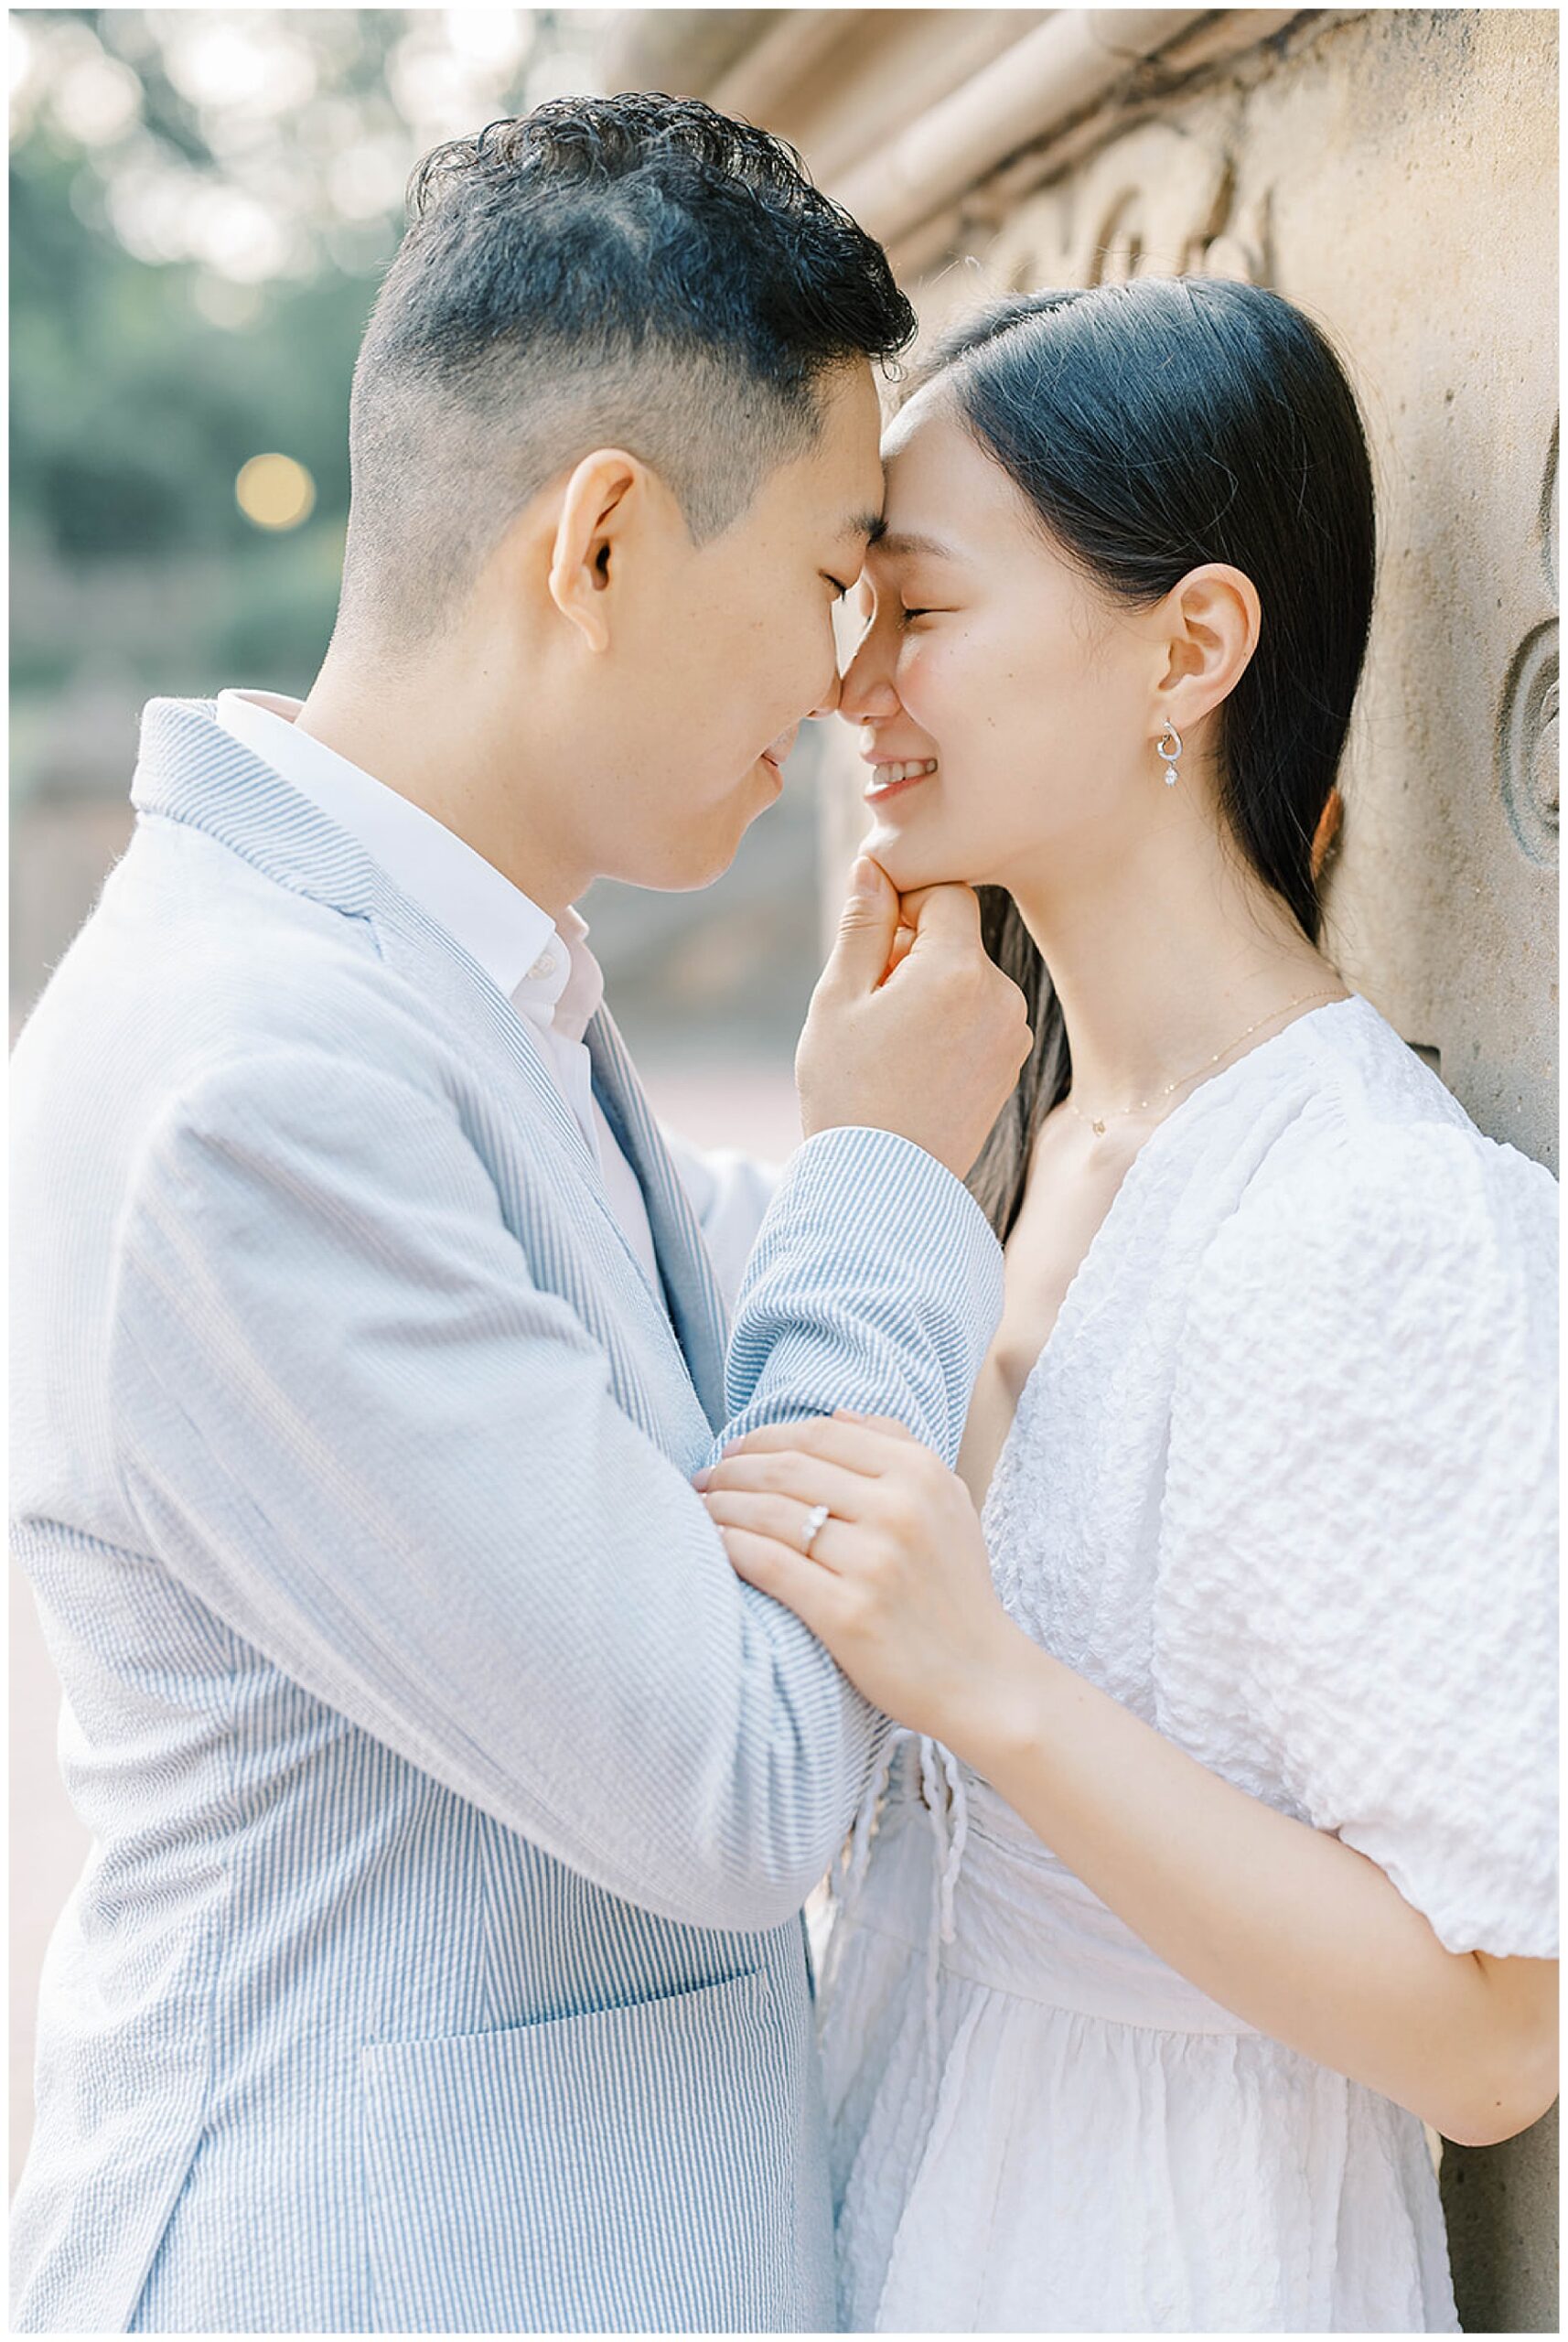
<point>1356,1607</point>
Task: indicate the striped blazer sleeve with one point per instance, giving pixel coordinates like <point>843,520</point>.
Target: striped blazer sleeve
<point>874,1283</point>
<point>730,1193</point>
<point>355,1426</point>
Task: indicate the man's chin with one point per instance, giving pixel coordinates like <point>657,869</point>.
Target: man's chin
<point>713,854</point>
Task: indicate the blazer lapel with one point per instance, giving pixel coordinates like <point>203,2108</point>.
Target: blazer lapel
<point>191,770</point>
<point>696,1305</point>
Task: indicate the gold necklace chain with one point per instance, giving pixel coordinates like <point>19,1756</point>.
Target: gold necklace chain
<point>1097,1121</point>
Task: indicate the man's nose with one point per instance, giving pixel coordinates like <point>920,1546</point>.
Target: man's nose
<point>829,702</point>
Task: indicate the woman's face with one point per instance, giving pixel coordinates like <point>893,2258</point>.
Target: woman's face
<point>991,658</point>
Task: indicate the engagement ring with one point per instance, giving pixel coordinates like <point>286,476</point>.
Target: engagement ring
<point>816,1521</point>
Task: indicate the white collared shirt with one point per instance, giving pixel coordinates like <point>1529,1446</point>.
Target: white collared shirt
<point>547,972</point>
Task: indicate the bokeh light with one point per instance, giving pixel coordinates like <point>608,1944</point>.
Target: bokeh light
<point>275,491</point>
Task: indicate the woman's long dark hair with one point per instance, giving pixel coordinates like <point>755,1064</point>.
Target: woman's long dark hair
<point>1155,426</point>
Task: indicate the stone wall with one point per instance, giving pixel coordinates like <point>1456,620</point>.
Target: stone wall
<point>1394,172</point>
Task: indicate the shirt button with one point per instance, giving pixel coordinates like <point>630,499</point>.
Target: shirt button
<point>544,966</point>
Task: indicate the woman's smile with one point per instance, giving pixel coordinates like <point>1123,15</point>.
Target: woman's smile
<point>888,779</point>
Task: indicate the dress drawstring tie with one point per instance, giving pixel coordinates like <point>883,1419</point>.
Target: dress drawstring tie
<point>863,1830</point>
<point>942,1787</point>
<point>943,1794</point>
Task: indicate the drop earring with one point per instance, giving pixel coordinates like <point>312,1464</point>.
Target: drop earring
<point>1170,754</point>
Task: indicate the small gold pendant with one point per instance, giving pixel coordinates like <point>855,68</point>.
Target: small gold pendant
<point>1099,1129</point>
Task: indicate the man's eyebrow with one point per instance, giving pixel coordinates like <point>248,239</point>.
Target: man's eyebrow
<point>868,525</point>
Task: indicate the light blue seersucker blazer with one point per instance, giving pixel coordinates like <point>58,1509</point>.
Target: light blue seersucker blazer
<point>438,1965</point>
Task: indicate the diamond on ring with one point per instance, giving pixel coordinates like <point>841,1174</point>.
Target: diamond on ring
<point>817,1521</point>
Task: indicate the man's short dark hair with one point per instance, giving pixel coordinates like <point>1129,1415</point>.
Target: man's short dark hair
<point>638,272</point>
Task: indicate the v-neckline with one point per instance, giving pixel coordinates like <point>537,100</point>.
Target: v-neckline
<point>1073,1302</point>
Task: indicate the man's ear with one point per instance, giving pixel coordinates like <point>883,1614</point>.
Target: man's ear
<point>600,498</point>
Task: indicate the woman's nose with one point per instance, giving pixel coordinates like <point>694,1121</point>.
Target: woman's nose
<point>866,692</point>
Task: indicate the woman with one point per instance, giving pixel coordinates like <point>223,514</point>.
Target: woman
<point>1225,1856</point>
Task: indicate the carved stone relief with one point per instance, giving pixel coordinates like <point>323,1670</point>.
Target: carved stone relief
<point>1157,202</point>
<point>1527,719</point>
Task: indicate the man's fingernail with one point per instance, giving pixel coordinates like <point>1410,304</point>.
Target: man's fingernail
<point>851,1414</point>
<point>865,878</point>
<point>700,1479</point>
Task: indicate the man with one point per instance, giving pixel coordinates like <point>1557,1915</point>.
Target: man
<point>439,1962</point>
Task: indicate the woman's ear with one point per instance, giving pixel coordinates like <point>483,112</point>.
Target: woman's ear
<point>597,504</point>
<point>1213,620</point>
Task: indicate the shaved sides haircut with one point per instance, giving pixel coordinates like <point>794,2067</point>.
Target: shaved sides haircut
<point>633,271</point>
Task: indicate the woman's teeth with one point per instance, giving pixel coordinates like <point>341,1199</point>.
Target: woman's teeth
<point>884,776</point>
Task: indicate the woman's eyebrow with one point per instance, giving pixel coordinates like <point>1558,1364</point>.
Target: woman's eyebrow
<point>899,547</point>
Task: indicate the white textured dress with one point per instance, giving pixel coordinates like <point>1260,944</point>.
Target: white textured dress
<point>1283,1483</point>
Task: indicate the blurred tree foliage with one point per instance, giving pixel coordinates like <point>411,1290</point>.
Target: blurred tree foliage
<point>132,412</point>
<point>201,204</point>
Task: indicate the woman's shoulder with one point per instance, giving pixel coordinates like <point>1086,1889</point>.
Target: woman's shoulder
<point>1373,1331</point>
<point>1379,1161</point>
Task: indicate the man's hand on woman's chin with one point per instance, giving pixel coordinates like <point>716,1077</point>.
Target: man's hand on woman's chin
<point>923,1038</point>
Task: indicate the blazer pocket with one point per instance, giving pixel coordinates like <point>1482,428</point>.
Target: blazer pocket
<point>630,2169</point>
